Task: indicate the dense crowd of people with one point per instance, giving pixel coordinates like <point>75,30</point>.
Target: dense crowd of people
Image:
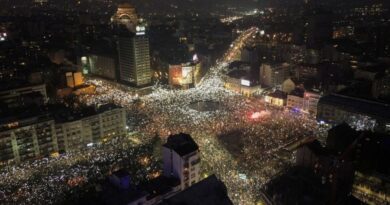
<point>49,180</point>
<point>241,140</point>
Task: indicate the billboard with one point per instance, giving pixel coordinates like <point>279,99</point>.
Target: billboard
<point>175,74</point>
<point>181,74</point>
<point>245,82</point>
<point>187,75</point>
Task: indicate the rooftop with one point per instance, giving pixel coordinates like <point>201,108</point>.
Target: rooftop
<point>14,118</point>
<point>208,191</point>
<point>159,186</point>
<point>316,147</point>
<point>182,144</point>
<point>112,195</point>
<point>65,114</point>
<point>357,105</point>
<point>298,92</point>
<point>278,94</point>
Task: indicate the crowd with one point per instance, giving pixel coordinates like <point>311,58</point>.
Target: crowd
<point>50,180</point>
<point>240,147</point>
<point>233,143</point>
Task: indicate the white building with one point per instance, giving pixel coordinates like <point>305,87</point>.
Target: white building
<point>39,135</point>
<point>182,159</point>
<point>77,132</point>
<point>311,102</point>
<point>305,101</point>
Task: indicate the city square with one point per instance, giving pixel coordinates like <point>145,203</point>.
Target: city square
<point>242,140</point>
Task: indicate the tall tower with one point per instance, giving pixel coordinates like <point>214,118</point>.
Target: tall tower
<point>126,15</point>
<point>182,159</point>
<point>134,58</point>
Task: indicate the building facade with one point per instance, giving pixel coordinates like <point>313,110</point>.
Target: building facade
<point>26,139</point>
<point>182,159</point>
<point>107,122</point>
<point>311,99</point>
<point>305,101</point>
<point>277,98</point>
<point>102,66</point>
<point>134,60</point>
<point>242,86</point>
<point>44,135</point>
<point>274,75</point>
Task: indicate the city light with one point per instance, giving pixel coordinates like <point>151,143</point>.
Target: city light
<point>274,102</point>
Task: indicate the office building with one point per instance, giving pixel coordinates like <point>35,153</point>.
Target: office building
<point>182,159</point>
<point>273,75</point>
<point>134,59</point>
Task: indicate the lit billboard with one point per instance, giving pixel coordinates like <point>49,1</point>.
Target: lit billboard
<point>175,74</point>
<point>181,74</point>
<point>245,82</point>
<point>187,74</point>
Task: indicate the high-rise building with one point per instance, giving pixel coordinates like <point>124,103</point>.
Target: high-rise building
<point>134,58</point>
<point>182,159</point>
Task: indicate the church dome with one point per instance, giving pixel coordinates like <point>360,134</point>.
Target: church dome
<point>126,6</point>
